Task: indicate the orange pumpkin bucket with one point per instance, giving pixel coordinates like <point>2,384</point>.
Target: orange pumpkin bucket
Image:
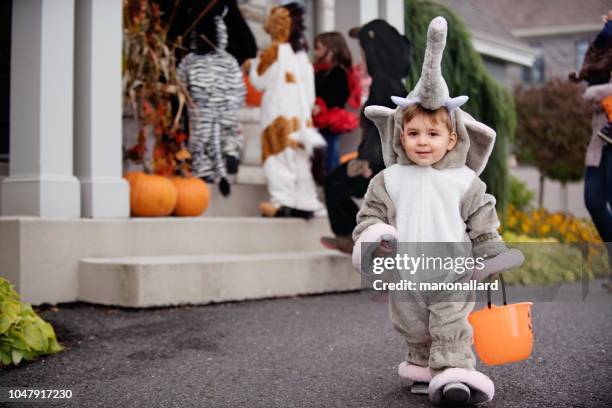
<point>502,334</point>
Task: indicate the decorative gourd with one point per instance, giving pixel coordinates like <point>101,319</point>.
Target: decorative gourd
<point>151,195</point>
<point>193,196</point>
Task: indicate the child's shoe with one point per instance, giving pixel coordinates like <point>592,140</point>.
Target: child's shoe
<point>457,394</point>
<point>270,210</point>
<point>342,243</point>
<point>449,387</point>
<point>606,132</point>
<point>295,213</point>
<point>417,375</point>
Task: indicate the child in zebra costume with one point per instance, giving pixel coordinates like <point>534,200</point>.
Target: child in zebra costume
<point>215,83</point>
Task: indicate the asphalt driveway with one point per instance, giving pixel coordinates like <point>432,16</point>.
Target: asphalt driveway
<point>331,350</point>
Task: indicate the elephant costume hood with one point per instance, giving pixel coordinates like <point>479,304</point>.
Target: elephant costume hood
<point>474,139</point>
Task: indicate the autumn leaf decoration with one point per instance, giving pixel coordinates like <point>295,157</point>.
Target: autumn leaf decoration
<point>152,90</point>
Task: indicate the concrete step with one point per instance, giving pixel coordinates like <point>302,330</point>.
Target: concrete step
<point>243,201</point>
<point>250,174</point>
<point>211,235</point>
<point>200,279</point>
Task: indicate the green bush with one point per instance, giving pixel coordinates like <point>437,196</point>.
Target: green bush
<point>23,334</point>
<point>521,196</point>
<point>549,262</point>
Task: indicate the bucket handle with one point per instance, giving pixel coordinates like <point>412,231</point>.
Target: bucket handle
<point>503,285</point>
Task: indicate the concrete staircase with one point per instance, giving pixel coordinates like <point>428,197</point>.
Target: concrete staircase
<point>228,254</point>
<point>240,258</point>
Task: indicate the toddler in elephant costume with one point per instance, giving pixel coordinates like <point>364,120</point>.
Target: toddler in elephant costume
<point>430,192</point>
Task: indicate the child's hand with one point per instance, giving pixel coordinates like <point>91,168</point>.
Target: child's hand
<point>246,66</point>
<point>358,167</point>
<point>385,248</point>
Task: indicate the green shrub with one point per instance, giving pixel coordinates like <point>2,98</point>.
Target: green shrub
<point>23,334</point>
<point>547,261</point>
<point>521,196</point>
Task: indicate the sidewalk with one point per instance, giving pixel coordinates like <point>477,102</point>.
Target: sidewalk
<point>333,350</point>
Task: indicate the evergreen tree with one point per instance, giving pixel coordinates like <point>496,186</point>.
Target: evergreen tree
<point>465,74</point>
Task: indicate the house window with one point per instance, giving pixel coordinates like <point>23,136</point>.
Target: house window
<point>581,49</point>
<point>536,73</point>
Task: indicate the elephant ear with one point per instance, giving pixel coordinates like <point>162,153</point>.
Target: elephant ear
<point>384,119</point>
<point>481,137</point>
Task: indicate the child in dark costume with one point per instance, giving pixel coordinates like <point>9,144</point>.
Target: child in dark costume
<point>386,54</point>
<point>333,80</point>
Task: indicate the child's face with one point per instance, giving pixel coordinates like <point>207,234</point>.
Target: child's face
<point>321,53</point>
<point>425,142</point>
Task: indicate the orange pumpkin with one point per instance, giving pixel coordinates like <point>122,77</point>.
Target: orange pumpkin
<point>129,175</point>
<point>193,196</point>
<point>151,195</point>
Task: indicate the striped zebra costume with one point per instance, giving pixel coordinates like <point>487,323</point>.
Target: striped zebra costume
<point>215,83</point>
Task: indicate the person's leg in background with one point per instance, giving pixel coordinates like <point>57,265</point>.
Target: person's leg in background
<point>598,199</point>
<point>340,189</point>
<point>333,150</point>
<point>607,183</point>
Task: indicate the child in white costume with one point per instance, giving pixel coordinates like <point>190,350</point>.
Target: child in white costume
<point>288,137</point>
<point>421,197</point>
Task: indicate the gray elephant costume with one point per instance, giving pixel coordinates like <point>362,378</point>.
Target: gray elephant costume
<point>445,202</point>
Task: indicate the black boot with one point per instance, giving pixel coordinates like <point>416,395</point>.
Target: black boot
<point>284,212</point>
<point>231,164</point>
<point>288,212</point>
<point>224,187</point>
<point>302,213</point>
